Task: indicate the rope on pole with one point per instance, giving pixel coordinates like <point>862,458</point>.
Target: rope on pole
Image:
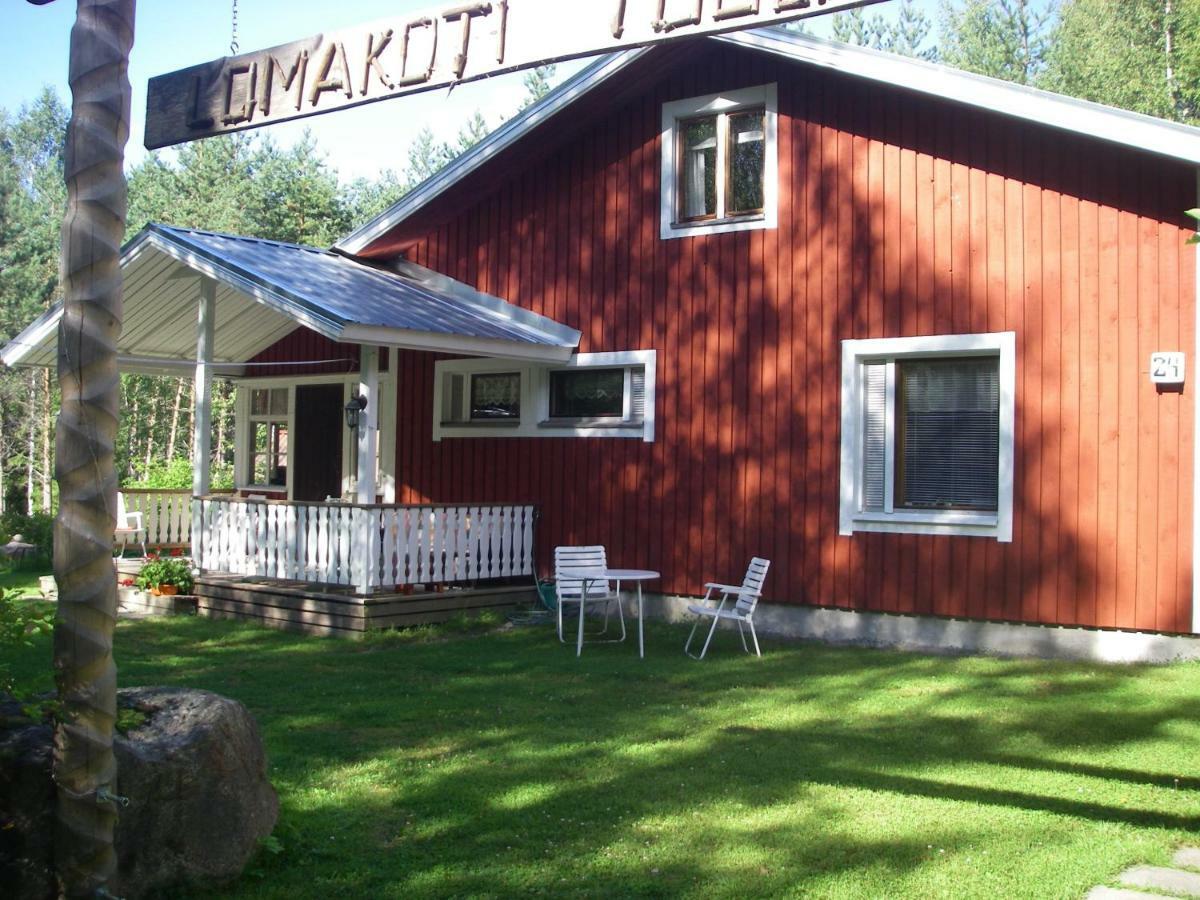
<point>85,769</point>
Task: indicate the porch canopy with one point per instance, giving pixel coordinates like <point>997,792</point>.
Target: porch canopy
<point>264,289</point>
<point>207,303</point>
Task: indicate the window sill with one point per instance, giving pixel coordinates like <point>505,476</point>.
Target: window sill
<point>718,226</point>
<point>949,522</point>
<point>590,423</point>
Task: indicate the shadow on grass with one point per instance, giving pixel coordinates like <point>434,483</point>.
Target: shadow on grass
<point>499,763</point>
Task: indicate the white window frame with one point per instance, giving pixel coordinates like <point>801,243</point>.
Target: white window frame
<point>722,104</point>
<point>855,353</point>
<point>535,398</point>
<point>386,444</point>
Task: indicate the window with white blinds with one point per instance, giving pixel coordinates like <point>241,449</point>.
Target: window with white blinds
<point>927,435</point>
<point>948,435</point>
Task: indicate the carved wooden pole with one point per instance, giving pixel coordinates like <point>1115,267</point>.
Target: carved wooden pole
<point>84,767</point>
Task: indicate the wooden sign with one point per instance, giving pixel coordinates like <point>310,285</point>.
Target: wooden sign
<point>456,42</point>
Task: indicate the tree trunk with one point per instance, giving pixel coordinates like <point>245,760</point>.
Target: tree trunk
<point>84,767</point>
<point>175,419</point>
<point>151,420</point>
<point>47,425</point>
<point>219,411</point>
<point>30,446</point>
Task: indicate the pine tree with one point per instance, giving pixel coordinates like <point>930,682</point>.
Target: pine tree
<point>1005,39</point>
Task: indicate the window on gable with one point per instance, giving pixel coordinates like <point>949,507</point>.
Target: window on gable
<point>927,435</point>
<point>719,163</point>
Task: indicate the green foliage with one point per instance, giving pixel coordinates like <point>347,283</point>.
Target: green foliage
<point>20,622</point>
<point>1005,39</point>
<point>36,529</point>
<point>538,83</point>
<point>903,29</point>
<point>1143,56</point>
<point>176,475</point>
<point>1195,214</point>
<point>166,570</point>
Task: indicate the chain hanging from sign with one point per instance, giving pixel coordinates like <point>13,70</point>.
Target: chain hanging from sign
<point>439,47</point>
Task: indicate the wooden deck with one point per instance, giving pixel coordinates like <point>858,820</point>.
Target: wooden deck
<point>316,609</point>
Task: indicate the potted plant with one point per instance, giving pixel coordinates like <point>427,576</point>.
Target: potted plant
<point>166,576</point>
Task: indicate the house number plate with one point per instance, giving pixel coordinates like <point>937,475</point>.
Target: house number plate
<point>1166,368</point>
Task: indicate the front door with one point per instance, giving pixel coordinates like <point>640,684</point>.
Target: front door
<point>317,456</point>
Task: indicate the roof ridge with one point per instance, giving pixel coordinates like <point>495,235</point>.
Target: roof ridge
<point>159,226</point>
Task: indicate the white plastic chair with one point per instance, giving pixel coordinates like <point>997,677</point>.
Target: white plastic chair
<point>129,527</point>
<point>569,563</point>
<point>742,611</point>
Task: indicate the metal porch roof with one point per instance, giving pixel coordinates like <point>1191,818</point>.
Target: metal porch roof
<point>267,288</point>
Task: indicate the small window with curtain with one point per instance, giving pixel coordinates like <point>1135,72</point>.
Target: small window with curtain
<point>927,435</point>
<point>719,163</point>
<point>495,396</point>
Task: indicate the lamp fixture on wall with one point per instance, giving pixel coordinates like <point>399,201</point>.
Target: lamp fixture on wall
<point>354,407</point>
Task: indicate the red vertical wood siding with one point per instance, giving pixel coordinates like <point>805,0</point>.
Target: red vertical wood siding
<point>899,215</point>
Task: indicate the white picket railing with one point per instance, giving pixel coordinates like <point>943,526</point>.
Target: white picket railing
<point>368,546</point>
<point>166,515</point>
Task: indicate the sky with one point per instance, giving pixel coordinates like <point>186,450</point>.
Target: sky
<point>173,34</point>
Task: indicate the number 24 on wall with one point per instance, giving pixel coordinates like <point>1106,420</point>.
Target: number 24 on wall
<point>1166,368</point>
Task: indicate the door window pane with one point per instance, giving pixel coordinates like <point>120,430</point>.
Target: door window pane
<point>496,396</point>
<point>698,168</point>
<point>747,160</point>
<point>587,394</point>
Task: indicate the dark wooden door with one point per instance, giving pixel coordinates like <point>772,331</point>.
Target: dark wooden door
<point>317,457</point>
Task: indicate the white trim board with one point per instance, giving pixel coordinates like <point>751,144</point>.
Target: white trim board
<point>766,96</point>
<point>1196,448</point>
<point>535,390</point>
<point>852,515</point>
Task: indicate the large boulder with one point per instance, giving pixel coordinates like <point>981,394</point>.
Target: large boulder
<point>195,773</point>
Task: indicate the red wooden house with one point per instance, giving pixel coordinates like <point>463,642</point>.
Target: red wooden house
<point>886,324</point>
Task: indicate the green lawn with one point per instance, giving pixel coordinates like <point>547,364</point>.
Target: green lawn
<point>453,763</point>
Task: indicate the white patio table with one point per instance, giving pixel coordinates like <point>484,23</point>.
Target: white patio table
<point>618,575</point>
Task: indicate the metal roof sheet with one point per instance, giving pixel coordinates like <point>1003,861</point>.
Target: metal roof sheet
<point>267,288</point>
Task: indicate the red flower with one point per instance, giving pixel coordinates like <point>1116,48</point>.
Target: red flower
<point>177,551</point>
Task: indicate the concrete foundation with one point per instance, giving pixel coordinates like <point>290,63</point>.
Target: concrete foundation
<point>931,634</point>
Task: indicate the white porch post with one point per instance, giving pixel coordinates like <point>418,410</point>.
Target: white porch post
<point>368,424</point>
<point>202,420</point>
<point>366,527</point>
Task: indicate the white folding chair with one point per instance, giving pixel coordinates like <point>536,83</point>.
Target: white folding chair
<point>742,611</point>
<point>569,585</point>
<point>130,527</point>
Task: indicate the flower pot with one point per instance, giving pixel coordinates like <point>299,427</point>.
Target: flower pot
<point>165,590</point>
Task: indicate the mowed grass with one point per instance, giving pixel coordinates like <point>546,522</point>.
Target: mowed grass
<point>457,762</point>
